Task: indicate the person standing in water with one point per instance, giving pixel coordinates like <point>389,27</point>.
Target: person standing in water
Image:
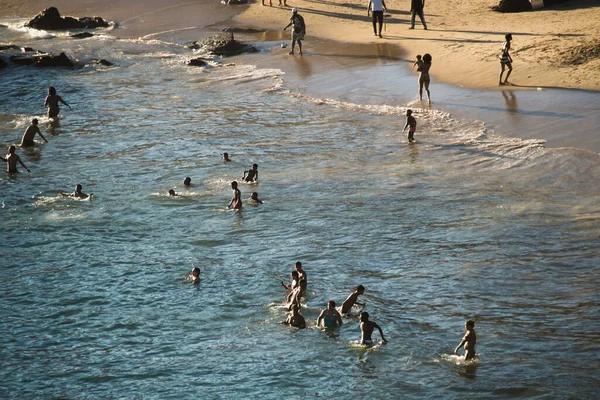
<point>424,77</point>
<point>29,134</point>
<point>366,329</point>
<point>330,316</point>
<point>299,30</point>
<point>251,175</point>
<point>353,299</point>
<point>226,157</point>
<point>236,200</point>
<point>505,59</point>
<point>468,340</point>
<point>11,161</point>
<point>411,124</point>
<point>295,319</point>
<point>52,101</point>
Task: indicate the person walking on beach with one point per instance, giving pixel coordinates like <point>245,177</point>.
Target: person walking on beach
<point>424,77</point>
<point>378,6</point>
<point>11,161</point>
<point>411,124</point>
<point>52,101</point>
<point>416,8</point>
<point>330,316</point>
<point>505,59</point>
<point>236,200</point>
<point>299,30</point>
<point>29,134</point>
<point>468,340</point>
<point>366,329</point>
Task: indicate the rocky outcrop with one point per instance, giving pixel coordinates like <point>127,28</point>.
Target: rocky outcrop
<point>44,60</point>
<point>508,6</point>
<point>222,44</point>
<point>104,62</point>
<point>196,62</point>
<point>2,63</point>
<point>82,35</point>
<point>50,20</point>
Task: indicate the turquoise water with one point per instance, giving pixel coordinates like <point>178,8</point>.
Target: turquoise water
<point>464,224</point>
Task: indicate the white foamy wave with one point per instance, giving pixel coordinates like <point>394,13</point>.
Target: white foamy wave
<point>241,73</point>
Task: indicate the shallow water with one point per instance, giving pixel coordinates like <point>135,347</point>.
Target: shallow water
<point>466,223</point>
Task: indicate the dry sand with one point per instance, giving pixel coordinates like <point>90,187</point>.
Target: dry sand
<point>465,37</point>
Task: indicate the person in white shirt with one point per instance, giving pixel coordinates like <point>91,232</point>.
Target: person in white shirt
<point>378,6</point>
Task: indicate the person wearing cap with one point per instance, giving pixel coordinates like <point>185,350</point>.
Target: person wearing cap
<point>299,30</point>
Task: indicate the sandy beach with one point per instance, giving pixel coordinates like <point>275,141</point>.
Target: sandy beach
<point>465,38</point>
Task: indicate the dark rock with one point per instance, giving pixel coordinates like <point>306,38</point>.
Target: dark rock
<point>197,62</point>
<point>223,44</point>
<point>82,35</point>
<point>23,60</point>
<point>9,47</point>
<point>237,2</point>
<point>50,20</point>
<point>508,6</point>
<point>43,60</point>
<point>2,63</point>
<point>50,60</point>
<point>104,62</point>
<point>27,49</point>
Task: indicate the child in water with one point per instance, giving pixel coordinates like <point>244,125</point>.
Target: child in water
<point>468,340</point>
<point>236,199</point>
<point>411,124</point>
<point>251,175</point>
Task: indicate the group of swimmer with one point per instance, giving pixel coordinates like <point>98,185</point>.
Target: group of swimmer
<point>52,103</point>
<point>331,318</point>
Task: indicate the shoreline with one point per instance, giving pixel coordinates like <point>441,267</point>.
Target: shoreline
<point>329,65</point>
<point>541,38</point>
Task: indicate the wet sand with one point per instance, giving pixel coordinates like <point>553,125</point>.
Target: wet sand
<point>371,71</point>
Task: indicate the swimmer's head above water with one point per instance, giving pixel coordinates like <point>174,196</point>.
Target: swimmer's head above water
<point>187,181</point>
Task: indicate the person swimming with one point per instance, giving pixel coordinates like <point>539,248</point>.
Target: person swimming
<point>226,157</point>
<point>254,198</point>
<point>352,299</point>
<point>172,193</point>
<point>187,181</point>
<point>78,192</point>
<point>366,329</point>
<point>330,316</point>
<point>195,275</point>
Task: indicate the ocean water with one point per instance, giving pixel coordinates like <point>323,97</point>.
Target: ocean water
<point>465,224</point>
